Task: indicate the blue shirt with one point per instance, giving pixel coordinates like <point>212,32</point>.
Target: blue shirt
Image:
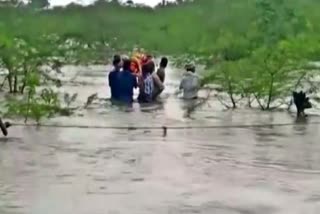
<point>146,89</point>
<point>114,84</point>
<point>148,85</point>
<point>128,82</point>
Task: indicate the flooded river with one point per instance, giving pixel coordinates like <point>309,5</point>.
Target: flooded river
<point>96,171</point>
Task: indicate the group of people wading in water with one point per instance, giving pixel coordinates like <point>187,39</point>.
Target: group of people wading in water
<point>140,72</point>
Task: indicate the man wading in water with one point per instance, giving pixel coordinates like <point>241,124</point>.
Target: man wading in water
<point>127,83</point>
<point>160,75</point>
<point>147,74</point>
<point>146,83</point>
<point>190,83</point>
<point>113,78</point>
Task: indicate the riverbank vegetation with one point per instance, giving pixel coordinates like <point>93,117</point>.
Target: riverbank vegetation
<point>256,50</point>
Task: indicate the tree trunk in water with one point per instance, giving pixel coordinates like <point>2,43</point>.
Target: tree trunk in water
<point>270,92</point>
<point>10,82</point>
<point>230,92</point>
<point>249,102</point>
<point>15,87</point>
<point>22,88</point>
<point>24,82</point>
<point>259,102</point>
<point>234,105</point>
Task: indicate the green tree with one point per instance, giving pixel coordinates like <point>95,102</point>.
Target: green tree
<point>39,4</point>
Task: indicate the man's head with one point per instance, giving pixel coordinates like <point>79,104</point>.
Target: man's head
<point>164,62</point>
<point>148,67</point>
<point>126,64</point>
<point>190,67</point>
<point>117,62</point>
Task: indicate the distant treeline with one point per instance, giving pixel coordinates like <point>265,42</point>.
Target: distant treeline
<point>203,27</point>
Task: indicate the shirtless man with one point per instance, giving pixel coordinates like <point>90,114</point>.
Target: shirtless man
<point>159,76</point>
<point>161,72</point>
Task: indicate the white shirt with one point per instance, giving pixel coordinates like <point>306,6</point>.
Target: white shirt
<point>190,85</point>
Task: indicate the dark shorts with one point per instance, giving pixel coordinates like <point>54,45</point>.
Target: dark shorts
<point>142,98</point>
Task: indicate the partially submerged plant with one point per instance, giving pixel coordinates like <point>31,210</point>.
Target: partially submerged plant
<point>4,127</point>
<point>50,97</point>
<point>37,106</point>
<point>301,102</point>
<point>91,99</point>
<point>267,76</point>
<point>68,99</point>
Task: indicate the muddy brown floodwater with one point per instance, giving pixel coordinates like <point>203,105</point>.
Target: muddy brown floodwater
<point>229,171</point>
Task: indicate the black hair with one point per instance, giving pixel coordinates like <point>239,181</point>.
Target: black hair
<point>190,67</point>
<point>126,64</point>
<point>116,60</point>
<point>164,62</point>
<point>144,69</point>
<point>149,67</point>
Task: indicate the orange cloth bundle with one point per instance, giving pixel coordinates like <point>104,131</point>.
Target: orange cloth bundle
<point>137,60</point>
